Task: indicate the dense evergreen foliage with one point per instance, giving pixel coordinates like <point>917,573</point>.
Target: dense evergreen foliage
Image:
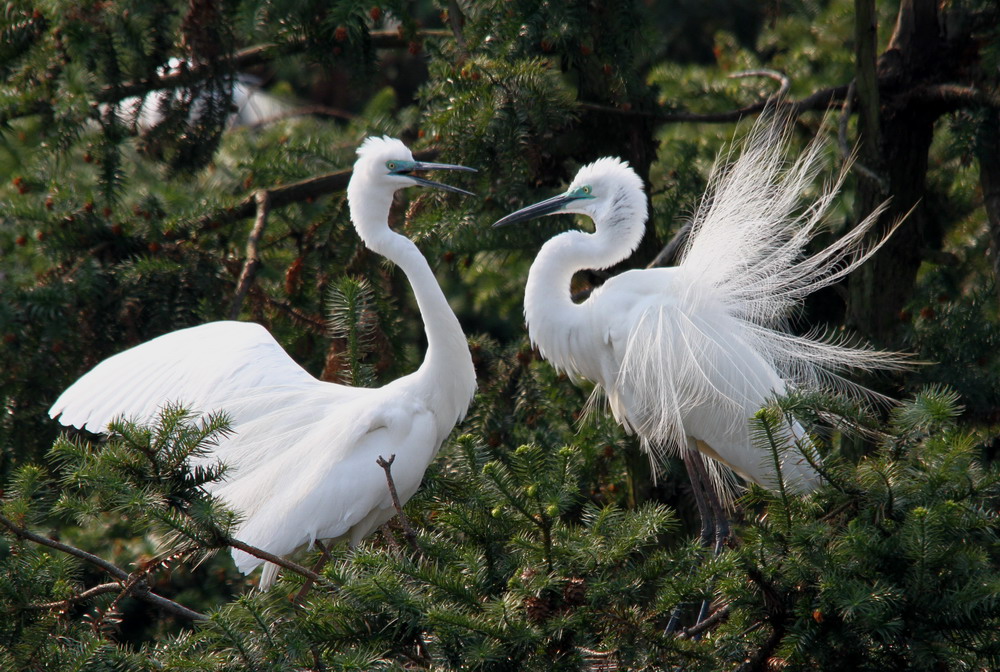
<point>540,538</point>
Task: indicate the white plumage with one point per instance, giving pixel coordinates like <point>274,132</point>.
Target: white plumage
<point>687,355</point>
<point>302,456</point>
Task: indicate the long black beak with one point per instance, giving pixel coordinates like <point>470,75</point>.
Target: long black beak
<point>421,165</point>
<point>546,207</point>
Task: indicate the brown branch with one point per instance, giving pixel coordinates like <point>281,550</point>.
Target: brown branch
<point>716,616</point>
<point>950,96</point>
<point>263,201</point>
<point>784,83</point>
<point>408,533</point>
<point>819,100</point>
<point>139,589</point>
<point>272,558</point>
<point>108,567</point>
<point>102,589</point>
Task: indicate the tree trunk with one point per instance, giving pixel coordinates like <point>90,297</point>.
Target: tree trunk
<point>899,146</point>
<point>989,178</point>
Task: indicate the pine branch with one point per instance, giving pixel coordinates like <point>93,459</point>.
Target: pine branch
<point>101,589</point>
<point>242,60</point>
<point>139,589</point>
<point>272,558</point>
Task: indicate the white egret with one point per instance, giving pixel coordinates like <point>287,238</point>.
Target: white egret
<point>687,355</point>
<point>302,456</point>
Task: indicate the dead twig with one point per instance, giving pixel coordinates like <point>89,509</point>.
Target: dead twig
<point>408,533</point>
<point>263,201</point>
<point>273,559</point>
<point>784,82</point>
<point>297,192</point>
<point>136,588</point>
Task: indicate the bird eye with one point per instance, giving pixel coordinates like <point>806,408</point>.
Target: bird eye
<point>391,165</point>
<point>586,190</point>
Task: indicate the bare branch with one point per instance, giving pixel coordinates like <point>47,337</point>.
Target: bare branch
<point>101,589</point>
<point>138,589</point>
<point>716,616</point>
<point>782,79</point>
<point>408,533</point>
<point>272,558</point>
<point>108,567</point>
<point>819,100</point>
<point>263,200</point>
<point>325,558</point>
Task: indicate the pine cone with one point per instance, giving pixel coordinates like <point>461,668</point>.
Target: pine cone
<point>574,592</point>
<point>537,608</point>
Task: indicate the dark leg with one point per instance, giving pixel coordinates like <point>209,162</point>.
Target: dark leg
<point>714,522</point>
<point>301,595</point>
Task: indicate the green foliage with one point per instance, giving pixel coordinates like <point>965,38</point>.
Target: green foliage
<point>544,542</point>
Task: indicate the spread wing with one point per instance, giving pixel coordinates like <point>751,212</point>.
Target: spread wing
<point>205,368</point>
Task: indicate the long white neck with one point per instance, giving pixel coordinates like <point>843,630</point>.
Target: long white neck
<point>447,372</point>
<point>549,310</point>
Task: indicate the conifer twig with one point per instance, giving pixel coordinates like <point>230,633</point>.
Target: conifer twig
<point>272,558</point>
<point>138,589</point>
<point>408,533</point>
<point>716,616</point>
<point>263,200</point>
<point>112,587</point>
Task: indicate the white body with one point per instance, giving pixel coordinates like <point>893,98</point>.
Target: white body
<point>301,462</point>
<point>687,355</point>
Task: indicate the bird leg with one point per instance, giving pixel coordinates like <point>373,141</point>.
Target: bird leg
<point>323,559</point>
<point>714,521</point>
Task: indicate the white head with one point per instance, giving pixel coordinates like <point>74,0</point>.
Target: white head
<point>386,165</point>
<point>607,190</point>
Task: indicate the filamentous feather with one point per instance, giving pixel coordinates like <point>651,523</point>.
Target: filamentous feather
<point>687,355</point>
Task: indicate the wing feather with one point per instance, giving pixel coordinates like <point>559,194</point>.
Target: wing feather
<point>203,368</point>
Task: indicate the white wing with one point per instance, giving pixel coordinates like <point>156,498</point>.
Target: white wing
<point>301,460</point>
<point>205,368</point>
<point>313,474</point>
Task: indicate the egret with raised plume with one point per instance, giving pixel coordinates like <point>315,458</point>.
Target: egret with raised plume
<point>302,456</point>
<point>687,355</point>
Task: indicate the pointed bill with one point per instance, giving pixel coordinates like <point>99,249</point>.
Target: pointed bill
<point>422,165</point>
<point>547,207</point>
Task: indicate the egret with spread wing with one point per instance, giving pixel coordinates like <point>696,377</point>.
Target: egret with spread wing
<point>301,461</point>
<point>687,355</point>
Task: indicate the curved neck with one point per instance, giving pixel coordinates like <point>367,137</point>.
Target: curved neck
<point>447,348</point>
<point>547,297</point>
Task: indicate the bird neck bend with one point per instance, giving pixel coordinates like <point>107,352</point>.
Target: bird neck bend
<point>447,363</point>
<point>548,302</point>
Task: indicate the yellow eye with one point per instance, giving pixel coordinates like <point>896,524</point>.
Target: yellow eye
<point>586,190</point>
<point>391,165</point>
